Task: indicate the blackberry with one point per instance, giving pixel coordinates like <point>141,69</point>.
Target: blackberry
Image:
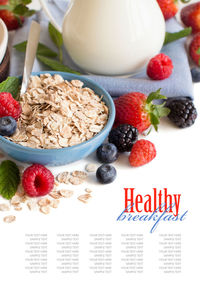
<point>123,137</point>
<point>183,112</point>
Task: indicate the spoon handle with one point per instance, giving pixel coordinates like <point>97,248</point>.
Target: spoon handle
<point>31,48</point>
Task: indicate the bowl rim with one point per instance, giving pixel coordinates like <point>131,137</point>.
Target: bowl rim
<point>109,123</point>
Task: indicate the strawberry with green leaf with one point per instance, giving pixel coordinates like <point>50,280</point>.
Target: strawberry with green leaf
<point>194,49</point>
<point>13,12</point>
<point>138,109</point>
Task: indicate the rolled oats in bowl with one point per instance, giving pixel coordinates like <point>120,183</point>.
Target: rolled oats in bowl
<point>57,113</point>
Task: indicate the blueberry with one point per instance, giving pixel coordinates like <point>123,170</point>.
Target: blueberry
<point>106,174</point>
<point>195,74</point>
<point>107,153</point>
<point>8,126</point>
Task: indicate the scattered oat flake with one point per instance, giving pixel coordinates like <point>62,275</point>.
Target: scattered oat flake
<point>18,208</point>
<point>84,198</point>
<point>25,198</point>
<point>63,177</point>
<point>43,202</point>
<point>55,194</point>
<point>9,219</point>
<point>66,193</point>
<point>88,191</point>
<point>79,174</point>
<point>21,168</point>
<point>91,167</point>
<point>54,203</point>
<point>20,191</point>
<point>76,181</point>
<point>31,205</point>
<point>4,207</point>
<point>45,209</point>
<point>16,200</point>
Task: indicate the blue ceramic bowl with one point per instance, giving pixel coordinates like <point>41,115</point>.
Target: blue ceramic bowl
<point>56,157</point>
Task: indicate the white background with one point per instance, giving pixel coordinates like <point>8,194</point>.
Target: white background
<point>176,167</point>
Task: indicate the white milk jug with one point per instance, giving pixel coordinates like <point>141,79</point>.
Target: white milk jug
<point>112,37</point>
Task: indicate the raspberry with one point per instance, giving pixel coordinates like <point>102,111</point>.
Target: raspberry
<point>9,106</point>
<point>160,67</point>
<point>37,180</point>
<point>143,151</point>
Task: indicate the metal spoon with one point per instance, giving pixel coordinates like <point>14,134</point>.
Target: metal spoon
<point>31,49</point>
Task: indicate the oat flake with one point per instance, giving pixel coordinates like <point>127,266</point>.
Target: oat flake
<point>45,209</point>
<point>66,193</point>
<point>43,202</point>
<point>4,207</point>
<point>9,219</point>
<point>57,113</point>
<point>63,177</point>
<point>84,198</point>
<point>91,167</point>
<point>54,203</point>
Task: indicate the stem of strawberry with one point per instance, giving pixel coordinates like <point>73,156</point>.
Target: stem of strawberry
<point>156,111</point>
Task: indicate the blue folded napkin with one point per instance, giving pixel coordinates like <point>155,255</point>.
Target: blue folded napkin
<point>178,85</point>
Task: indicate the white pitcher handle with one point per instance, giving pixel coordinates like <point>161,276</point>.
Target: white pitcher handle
<point>49,15</point>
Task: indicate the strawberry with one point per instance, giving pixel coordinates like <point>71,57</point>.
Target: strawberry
<point>138,110</point>
<point>169,8</point>
<point>190,16</point>
<point>12,12</point>
<point>194,49</point>
<point>143,151</point>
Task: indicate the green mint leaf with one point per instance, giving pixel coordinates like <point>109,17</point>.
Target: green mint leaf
<point>26,2</point>
<point>185,1</point>
<point>9,179</point>
<point>21,46</point>
<point>45,51</point>
<point>11,84</point>
<point>41,50</point>
<point>29,13</point>
<point>20,10</point>
<point>55,35</point>
<point>56,65</point>
<point>170,37</point>
<point>198,51</point>
<point>155,95</point>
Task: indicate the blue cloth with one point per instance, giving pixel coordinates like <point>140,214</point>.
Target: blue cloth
<point>179,84</point>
